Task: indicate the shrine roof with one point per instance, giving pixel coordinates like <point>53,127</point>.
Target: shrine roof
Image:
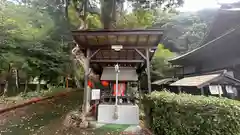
<point>107,38</point>
<point>133,42</point>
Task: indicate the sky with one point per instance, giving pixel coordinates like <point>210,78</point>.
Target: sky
<point>195,5</point>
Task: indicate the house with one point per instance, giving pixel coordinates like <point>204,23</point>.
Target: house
<point>217,61</point>
<point>164,84</point>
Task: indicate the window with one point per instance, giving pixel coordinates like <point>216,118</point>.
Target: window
<point>231,90</point>
<point>215,89</point>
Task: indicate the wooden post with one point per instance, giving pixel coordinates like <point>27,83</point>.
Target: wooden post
<point>202,91</point>
<point>219,90</point>
<point>86,90</point>
<point>140,91</point>
<point>179,90</point>
<point>148,70</point>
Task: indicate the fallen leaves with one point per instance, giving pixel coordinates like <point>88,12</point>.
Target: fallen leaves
<point>37,116</point>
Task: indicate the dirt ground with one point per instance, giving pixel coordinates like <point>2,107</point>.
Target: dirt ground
<point>30,119</point>
<point>46,118</point>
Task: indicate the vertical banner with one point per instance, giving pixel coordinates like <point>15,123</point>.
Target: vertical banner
<point>121,89</point>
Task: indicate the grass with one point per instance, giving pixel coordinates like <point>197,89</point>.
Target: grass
<point>112,129</point>
<point>22,97</point>
<point>42,93</point>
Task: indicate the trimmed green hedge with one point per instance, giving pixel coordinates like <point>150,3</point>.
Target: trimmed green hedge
<point>171,114</point>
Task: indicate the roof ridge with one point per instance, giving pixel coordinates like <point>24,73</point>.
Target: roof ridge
<point>194,50</point>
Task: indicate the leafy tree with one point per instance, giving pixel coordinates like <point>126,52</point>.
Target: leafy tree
<point>33,39</point>
<point>8,56</point>
<point>111,8</point>
<point>34,34</point>
<point>160,66</point>
<point>136,19</point>
<point>185,31</point>
<point>153,4</point>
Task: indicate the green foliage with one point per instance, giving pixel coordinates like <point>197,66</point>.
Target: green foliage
<point>161,68</point>
<point>136,19</point>
<point>42,93</point>
<point>108,11</point>
<point>34,39</point>
<point>152,4</point>
<point>30,23</point>
<point>94,21</point>
<point>163,52</point>
<point>194,33</point>
<point>185,31</point>
<point>72,16</point>
<point>184,114</point>
<point>163,18</point>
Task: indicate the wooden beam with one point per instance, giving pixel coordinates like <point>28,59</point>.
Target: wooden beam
<point>125,46</point>
<point>116,61</point>
<point>118,32</point>
<point>140,53</point>
<point>148,70</point>
<point>86,91</point>
<point>94,53</point>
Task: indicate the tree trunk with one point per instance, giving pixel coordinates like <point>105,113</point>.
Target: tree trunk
<point>5,88</point>
<point>39,84</point>
<point>67,84</point>
<point>108,13</point>
<point>26,86</point>
<point>7,80</point>
<point>17,79</point>
<point>75,75</point>
<point>108,17</point>
<point>77,82</point>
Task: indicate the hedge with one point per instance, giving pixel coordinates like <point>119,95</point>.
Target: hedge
<point>183,114</point>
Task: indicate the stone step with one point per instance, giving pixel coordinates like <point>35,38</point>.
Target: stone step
<point>95,124</point>
<point>133,129</point>
<point>90,119</point>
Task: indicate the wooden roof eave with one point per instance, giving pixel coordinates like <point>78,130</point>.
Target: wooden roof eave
<point>107,37</point>
<point>103,40</point>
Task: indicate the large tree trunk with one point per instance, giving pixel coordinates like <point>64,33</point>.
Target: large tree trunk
<point>111,10</point>
<point>108,13</point>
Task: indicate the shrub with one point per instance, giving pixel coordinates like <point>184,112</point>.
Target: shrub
<point>42,93</point>
<point>171,114</point>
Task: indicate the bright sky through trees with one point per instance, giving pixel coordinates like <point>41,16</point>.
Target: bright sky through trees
<point>194,5</point>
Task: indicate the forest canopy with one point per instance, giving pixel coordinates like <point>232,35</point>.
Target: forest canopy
<point>35,38</point>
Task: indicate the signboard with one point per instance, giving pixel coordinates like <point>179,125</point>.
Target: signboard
<point>95,94</point>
